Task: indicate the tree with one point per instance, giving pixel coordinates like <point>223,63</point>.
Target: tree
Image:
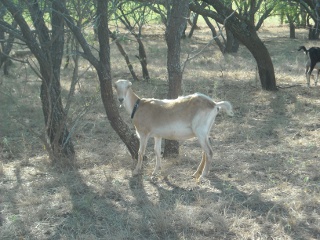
<point>246,33</point>
<point>47,47</point>
<point>177,21</point>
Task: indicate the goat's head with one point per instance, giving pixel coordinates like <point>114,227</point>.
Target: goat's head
<point>122,87</point>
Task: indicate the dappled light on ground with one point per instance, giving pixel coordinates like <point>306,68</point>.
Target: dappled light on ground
<point>264,182</point>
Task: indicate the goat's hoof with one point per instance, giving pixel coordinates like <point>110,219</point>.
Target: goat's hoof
<point>196,175</point>
<point>200,180</point>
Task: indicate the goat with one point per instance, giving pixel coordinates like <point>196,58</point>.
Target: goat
<point>174,119</point>
<point>313,61</point>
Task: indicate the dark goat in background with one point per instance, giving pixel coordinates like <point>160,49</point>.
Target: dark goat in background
<point>313,61</point>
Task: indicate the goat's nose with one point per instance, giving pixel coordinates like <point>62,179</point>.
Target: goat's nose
<point>120,100</point>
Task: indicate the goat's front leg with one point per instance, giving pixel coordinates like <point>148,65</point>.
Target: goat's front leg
<point>316,81</point>
<point>157,150</point>
<point>142,149</point>
<point>198,173</point>
<point>308,79</point>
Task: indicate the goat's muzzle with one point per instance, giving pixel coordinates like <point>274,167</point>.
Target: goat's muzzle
<point>121,101</point>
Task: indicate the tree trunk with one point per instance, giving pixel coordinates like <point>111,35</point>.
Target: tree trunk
<point>124,54</point>
<point>142,53</point>
<point>142,58</point>
<point>214,34</point>
<point>194,25</point>
<point>303,14</point>
<point>232,44</point>
<point>55,117</point>
<point>313,33</point>
<point>6,47</point>
<point>292,30</point>
<point>176,25</point>
<point>291,21</point>
<point>48,54</point>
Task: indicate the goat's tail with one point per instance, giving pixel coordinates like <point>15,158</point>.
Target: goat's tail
<point>226,106</point>
<point>303,48</point>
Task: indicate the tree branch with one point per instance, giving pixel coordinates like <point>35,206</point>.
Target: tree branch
<point>209,43</point>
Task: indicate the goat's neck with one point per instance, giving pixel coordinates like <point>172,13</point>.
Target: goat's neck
<point>130,100</point>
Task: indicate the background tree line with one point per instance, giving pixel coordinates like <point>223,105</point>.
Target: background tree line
<point>53,29</point>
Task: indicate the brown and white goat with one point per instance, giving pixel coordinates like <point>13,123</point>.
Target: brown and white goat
<point>174,119</point>
<point>313,62</point>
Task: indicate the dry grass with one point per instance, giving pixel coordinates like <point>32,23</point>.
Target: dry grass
<point>264,183</point>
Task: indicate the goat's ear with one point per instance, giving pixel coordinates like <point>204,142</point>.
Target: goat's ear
<point>129,84</point>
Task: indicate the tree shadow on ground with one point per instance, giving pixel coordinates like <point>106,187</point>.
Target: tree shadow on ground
<point>170,196</point>
<point>107,214</point>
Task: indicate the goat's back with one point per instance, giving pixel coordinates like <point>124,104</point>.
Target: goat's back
<point>177,115</point>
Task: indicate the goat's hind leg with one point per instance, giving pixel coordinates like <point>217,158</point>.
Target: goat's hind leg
<point>207,165</point>
<point>312,65</point>
<point>205,144</point>
<point>308,79</point>
<point>198,173</point>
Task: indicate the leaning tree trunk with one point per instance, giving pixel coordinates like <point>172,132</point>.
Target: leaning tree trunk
<point>104,74</point>
<point>102,66</point>
<point>262,57</point>
<point>214,34</point>
<point>123,53</point>
<point>176,24</point>
<point>194,25</point>
<point>245,32</point>
<point>142,58</point>
<point>249,37</point>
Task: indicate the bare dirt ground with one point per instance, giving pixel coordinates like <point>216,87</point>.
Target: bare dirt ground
<point>264,182</point>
